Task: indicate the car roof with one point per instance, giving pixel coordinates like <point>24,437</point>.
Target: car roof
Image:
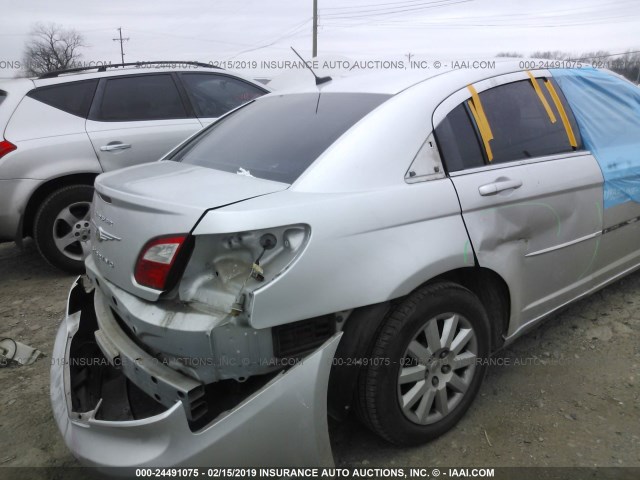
<point>15,83</point>
<point>169,67</point>
<point>391,82</point>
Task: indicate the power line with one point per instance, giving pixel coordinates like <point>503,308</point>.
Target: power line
<point>622,19</point>
<point>396,12</point>
<point>549,15</point>
<point>375,5</point>
<point>491,20</point>
<point>605,56</point>
<point>121,40</point>
<point>415,8</point>
<point>579,19</point>
<point>416,5</point>
<point>349,9</point>
<point>289,33</point>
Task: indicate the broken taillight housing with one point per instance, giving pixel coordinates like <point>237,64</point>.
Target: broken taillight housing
<point>226,268</point>
<point>157,260</point>
<point>6,147</point>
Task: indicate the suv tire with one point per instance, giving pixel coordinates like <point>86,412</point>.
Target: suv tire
<point>61,227</point>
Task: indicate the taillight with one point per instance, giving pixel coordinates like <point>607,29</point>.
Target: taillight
<point>156,259</point>
<point>6,147</point>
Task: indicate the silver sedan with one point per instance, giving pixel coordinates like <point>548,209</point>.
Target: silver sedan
<point>364,244</point>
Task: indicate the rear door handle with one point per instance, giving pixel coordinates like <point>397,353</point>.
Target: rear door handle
<point>499,186</point>
<point>114,146</point>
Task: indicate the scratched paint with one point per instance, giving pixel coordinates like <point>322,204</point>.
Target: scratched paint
<point>467,245</point>
<point>597,246</point>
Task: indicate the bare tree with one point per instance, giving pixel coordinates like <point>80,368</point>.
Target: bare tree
<point>627,64</point>
<point>551,55</point>
<point>50,48</point>
<point>509,55</point>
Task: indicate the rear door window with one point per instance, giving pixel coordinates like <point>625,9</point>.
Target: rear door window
<point>521,125</point>
<point>72,97</point>
<point>458,142</point>
<point>141,97</point>
<point>514,121</point>
<point>214,95</point>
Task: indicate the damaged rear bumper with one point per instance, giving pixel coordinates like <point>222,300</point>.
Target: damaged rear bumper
<point>282,423</point>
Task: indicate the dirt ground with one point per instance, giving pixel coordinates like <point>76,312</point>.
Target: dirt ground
<point>567,394</point>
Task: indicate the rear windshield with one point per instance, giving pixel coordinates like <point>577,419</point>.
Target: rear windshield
<point>277,138</point>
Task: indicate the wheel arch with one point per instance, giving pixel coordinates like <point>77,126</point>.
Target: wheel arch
<point>46,189</point>
<point>493,292</point>
<point>362,326</point>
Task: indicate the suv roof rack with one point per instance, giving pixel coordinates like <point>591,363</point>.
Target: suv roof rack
<point>103,68</point>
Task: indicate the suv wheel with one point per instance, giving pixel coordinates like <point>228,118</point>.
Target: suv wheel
<point>61,227</point>
<point>425,368</point>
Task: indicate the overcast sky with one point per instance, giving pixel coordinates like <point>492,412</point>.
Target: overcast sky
<point>210,30</point>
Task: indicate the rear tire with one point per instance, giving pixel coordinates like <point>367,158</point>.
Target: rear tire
<point>425,368</point>
<point>61,227</point>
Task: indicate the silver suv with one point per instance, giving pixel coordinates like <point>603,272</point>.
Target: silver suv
<point>58,131</point>
<point>361,245</point>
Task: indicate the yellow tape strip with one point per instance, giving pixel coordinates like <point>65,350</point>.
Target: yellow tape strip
<point>483,130</point>
<point>563,114</point>
<point>481,120</point>
<point>542,98</point>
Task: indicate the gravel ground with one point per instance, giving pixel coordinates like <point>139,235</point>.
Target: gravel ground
<point>567,394</point>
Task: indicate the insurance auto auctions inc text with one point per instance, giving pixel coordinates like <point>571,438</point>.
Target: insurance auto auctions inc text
<point>375,472</point>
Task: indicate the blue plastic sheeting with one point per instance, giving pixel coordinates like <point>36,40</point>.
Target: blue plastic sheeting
<point>607,109</point>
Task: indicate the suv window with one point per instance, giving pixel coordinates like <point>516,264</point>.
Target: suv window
<point>72,97</point>
<point>521,126</point>
<point>143,97</point>
<point>214,95</point>
<point>278,137</point>
<point>458,142</point>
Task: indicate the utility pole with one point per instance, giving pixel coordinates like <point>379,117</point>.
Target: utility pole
<point>122,40</point>
<point>315,29</point>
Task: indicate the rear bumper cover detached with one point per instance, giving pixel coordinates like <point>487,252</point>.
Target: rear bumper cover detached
<point>284,423</point>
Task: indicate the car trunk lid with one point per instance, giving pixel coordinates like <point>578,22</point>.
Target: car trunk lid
<point>133,205</point>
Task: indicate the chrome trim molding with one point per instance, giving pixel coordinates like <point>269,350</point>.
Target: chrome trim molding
<point>515,163</point>
<point>563,245</point>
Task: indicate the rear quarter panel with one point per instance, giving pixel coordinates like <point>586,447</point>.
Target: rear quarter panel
<point>373,236</point>
<point>15,89</point>
<point>365,247</point>
<point>50,143</point>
